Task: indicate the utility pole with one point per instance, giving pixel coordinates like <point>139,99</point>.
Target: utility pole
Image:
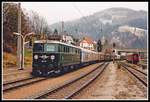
<point>102,39</point>
<point>62,27</point>
<point>19,49</point>
<point>137,48</point>
<point>76,31</point>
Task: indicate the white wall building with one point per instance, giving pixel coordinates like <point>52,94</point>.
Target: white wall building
<point>68,39</point>
<point>87,43</point>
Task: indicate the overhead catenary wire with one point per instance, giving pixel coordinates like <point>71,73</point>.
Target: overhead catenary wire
<point>85,18</point>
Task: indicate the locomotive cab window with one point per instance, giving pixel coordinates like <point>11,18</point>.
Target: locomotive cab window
<point>50,47</point>
<point>38,47</point>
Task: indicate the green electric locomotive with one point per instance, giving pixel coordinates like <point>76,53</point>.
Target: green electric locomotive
<point>54,57</point>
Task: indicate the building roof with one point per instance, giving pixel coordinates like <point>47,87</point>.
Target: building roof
<point>88,40</point>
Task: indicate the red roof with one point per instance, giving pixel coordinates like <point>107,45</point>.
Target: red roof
<point>88,40</point>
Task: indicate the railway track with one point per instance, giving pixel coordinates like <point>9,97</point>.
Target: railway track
<point>135,68</point>
<point>139,75</point>
<point>19,83</point>
<point>71,87</point>
<point>142,65</point>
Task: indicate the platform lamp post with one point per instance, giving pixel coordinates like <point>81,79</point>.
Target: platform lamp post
<point>23,38</point>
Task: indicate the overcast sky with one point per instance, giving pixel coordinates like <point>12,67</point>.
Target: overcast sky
<point>66,11</point>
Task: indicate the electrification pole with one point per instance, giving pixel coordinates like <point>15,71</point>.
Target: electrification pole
<point>19,49</point>
<point>62,27</point>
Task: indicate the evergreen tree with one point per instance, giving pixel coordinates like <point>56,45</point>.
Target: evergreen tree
<point>55,32</point>
<point>114,45</point>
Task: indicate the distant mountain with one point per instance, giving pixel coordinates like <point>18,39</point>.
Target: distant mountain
<point>130,37</point>
<point>105,22</point>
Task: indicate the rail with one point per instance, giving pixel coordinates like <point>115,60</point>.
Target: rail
<point>59,88</point>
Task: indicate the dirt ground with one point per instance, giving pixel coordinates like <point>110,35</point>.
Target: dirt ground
<point>13,74</point>
<point>113,84</point>
<point>41,86</point>
<point>10,70</point>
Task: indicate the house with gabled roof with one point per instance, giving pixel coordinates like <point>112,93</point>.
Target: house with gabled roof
<point>87,43</point>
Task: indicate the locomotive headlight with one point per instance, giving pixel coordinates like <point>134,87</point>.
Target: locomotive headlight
<point>52,57</point>
<point>35,56</point>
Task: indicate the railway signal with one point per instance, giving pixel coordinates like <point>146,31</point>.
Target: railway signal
<point>114,45</point>
<point>99,46</point>
<point>113,54</point>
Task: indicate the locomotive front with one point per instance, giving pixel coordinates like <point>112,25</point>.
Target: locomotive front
<point>45,58</point>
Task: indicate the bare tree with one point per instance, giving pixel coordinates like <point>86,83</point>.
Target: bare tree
<point>10,25</point>
<point>38,24</point>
